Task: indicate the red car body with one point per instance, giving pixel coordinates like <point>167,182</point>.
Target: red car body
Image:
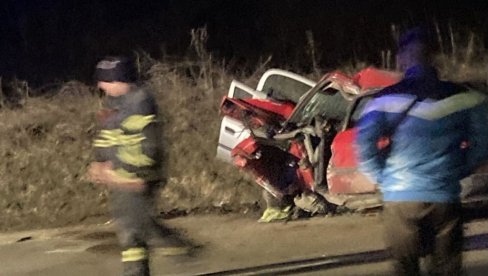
<point>281,155</point>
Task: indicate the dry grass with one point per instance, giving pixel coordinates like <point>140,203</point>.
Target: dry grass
<point>46,147</point>
<point>189,108</point>
<point>464,66</point>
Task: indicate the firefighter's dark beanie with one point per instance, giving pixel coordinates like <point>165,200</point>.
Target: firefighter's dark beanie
<point>112,69</point>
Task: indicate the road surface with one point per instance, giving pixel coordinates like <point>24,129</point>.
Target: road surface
<point>228,242</point>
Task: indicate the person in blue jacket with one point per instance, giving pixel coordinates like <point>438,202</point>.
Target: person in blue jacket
<point>438,134</point>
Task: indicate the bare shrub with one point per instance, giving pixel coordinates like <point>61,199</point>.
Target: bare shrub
<point>466,60</point>
<point>13,92</point>
<point>190,113</point>
<point>313,53</point>
<point>75,88</point>
<point>45,147</point>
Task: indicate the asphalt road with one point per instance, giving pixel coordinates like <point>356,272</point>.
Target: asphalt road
<point>227,243</point>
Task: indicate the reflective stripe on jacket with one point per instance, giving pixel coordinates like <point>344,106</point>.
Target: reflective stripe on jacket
<point>428,156</point>
<point>130,136</point>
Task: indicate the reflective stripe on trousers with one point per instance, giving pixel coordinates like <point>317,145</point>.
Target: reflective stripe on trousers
<point>134,254</point>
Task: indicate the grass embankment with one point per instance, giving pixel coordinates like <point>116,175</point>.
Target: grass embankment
<point>46,147</point>
<point>45,144</point>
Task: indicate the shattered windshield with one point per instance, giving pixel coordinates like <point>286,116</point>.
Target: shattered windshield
<point>284,88</point>
<point>328,104</point>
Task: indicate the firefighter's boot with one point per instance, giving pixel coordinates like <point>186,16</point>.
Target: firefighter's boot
<point>275,214</point>
<point>135,262</point>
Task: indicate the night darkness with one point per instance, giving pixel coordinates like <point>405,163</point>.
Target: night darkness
<point>48,40</point>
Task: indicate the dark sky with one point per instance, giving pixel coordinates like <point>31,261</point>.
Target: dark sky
<point>47,40</point>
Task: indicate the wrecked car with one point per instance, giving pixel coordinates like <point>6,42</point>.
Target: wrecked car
<point>296,137</point>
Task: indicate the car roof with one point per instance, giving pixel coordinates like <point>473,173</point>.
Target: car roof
<point>374,78</point>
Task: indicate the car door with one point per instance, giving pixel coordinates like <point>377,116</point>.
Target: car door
<point>276,84</point>
<point>284,85</point>
<point>232,131</point>
<point>343,176</point>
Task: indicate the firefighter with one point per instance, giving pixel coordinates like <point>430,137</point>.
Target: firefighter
<point>128,161</point>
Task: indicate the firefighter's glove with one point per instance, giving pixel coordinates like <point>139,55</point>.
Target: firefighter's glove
<point>103,173</point>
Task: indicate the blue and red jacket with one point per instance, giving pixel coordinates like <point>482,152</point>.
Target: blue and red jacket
<point>441,139</point>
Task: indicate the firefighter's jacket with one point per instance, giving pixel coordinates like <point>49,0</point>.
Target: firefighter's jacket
<point>440,140</point>
<point>129,135</point>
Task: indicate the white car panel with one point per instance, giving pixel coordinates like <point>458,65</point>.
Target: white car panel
<point>272,72</point>
<point>232,131</point>
<point>239,90</point>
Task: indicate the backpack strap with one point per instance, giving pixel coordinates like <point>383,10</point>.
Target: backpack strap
<point>402,117</point>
